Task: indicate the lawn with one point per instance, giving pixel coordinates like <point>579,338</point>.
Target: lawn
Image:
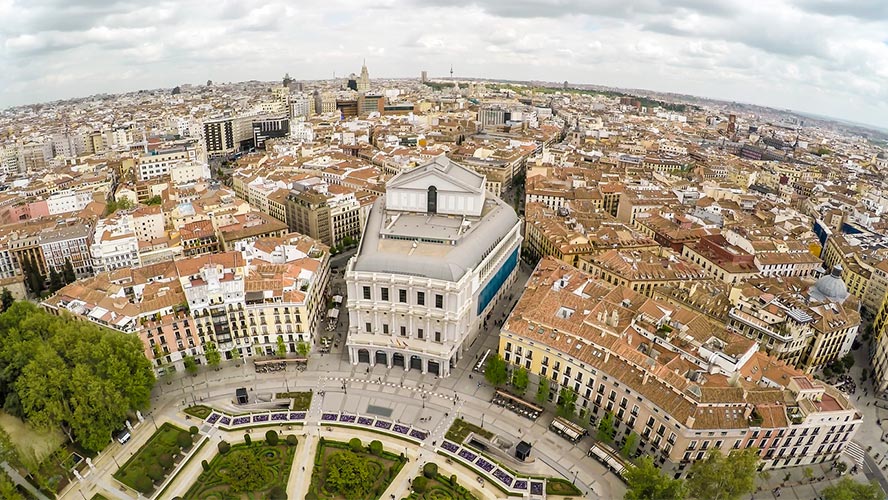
<point>301,400</point>
<point>33,445</point>
<point>352,471</point>
<point>461,429</point>
<point>155,459</point>
<point>199,411</point>
<point>247,471</point>
<point>439,488</point>
<point>563,487</point>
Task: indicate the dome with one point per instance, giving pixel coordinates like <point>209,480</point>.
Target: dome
<point>830,287</point>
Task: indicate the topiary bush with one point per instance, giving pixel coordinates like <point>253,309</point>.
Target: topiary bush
<point>453,479</point>
<point>271,437</point>
<point>165,460</point>
<point>205,465</point>
<point>155,472</point>
<point>356,445</point>
<point>193,430</point>
<point>376,447</point>
<point>224,447</point>
<point>419,484</point>
<point>183,439</point>
<point>430,470</point>
<point>291,440</point>
<point>248,440</point>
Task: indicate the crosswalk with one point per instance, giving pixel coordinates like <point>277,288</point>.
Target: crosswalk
<point>854,451</point>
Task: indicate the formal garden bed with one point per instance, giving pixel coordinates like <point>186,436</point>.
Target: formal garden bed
<point>247,471</point>
<point>198,411</point>
<point>301,400</point>
<point>460,430</point>
<point>352,471</point>
<point>433,486</point>
<point>563,487</point>
<point>157,458</point>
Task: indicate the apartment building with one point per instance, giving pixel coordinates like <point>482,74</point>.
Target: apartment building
<point>666,375</point>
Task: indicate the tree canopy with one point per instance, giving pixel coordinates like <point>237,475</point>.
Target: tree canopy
<point>723,477</point>
<point>849,489</point>
<point>349,475</point>
<point>520,379</point>
<point>495,371</point>
<point>646,482</point>
<point>61,373</point>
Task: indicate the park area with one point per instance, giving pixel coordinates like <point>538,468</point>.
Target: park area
<point>248,471</point>
<point>351,471</point>
<point>156,459</point>
<point>301,400</point>
<point>433,486</point>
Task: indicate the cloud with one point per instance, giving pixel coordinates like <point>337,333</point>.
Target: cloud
<point>822,56</point>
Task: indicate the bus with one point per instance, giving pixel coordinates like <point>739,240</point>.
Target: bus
<point>567,429</point>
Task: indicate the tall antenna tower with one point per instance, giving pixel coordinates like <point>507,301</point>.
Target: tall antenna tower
<point>451,71</point>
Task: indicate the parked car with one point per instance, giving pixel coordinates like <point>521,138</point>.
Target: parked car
<point>122,436</point>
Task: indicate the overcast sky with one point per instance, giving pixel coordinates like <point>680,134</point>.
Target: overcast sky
<point>822,56</point>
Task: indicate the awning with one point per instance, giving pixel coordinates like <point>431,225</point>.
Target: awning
<point>337,299</point>
<point>333,313</point>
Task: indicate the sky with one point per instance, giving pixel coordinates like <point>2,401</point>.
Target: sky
<point>828,57</point>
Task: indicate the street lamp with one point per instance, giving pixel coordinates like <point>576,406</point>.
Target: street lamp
<point>482,420</point>
<point>115,461</point>
<point>153,421</point>
<point>575,476</point>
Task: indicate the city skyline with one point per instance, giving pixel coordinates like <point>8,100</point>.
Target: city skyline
<point>814,56</point>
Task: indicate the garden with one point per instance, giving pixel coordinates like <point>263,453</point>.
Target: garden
<point>199,411</point>
<point>460,430</point>
<point>433,486</point>
<point>156,459</point>
<point>351,471</point>
<point>247,471</point>
<point>301,400</point>
<point>558,486</point>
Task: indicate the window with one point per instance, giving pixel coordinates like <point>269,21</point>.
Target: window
<point>385,329</point>
<point>367,327</point>
<point>437,336</point>
<point>366,293</point>
<point>420,333</point>
<point>439,301</point>
<point>385,294</point>
<point>420,298</point>
<point>403,331</point>
<point>402,296</point>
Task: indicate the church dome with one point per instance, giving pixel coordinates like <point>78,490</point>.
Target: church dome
<point>830,287</point>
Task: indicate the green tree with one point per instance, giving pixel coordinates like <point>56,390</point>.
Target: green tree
<point>154,200</point>
<point>606,429</point>
<point>645,482</point>
<point>68,272</point>
<point>244,471</point>
<point>190,364</point>
<point>214,357</point>
<point>495,371</point>
<point>55,281</point>
<point>567,399</point>
<point>849,489</point>
<point>303,348</point>
<point>349,475</point>
<point>236,355</point>
<point>629,446</point>
<point>543,391</point>
<point>281,350</point>
<point>723,477</point>
<point>520,380</point>
<point>71,375</point>
<point>6,299</point>
<point>7,488</point>
<point>271,437</point>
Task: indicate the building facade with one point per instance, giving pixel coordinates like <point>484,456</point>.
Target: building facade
<point>436,255</point>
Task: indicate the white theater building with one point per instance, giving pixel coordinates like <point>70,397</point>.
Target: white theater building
<point>437,252</point>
